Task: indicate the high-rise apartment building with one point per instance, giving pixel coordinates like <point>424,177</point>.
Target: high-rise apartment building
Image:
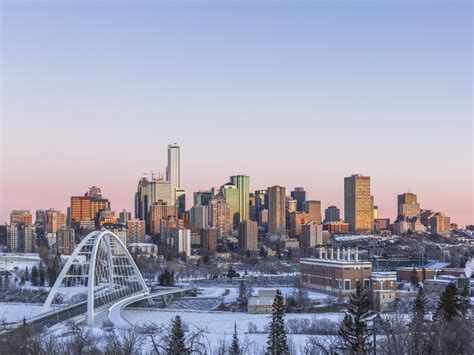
<point>150,192</point>
<point>158,211</point>
<point>248,236</point>
<point>332,214</point>
<point>209,240</point>
<point>65,240</point>
<point>54,220</point>
<point>440,224</point>
<point>358,208</point>
<point>21,216</point>
<point>261,201</point>
<point>242,183</point>
<point>313,209</point>
<point>202,198</point>
<point>297,220</point>
<point>21,237</point>
<point>299,194</point>
<point>311,234</point>
<point>41,217</point>
<point>136,231</point>
<point>173,174</point>
<point>276,211</point>
<point>124,217</point>
<point>199,216</point>
<point>290,206</point>
<point>220,216</point>
<point>408,206</point>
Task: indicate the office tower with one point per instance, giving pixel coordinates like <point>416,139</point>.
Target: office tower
<point>263,219</point>
<point>311,234</point>
<point>21,216</point>
<point>242,183</point>
<point>440,224</point>
<point>220,216</point>
<point>181,201</point>
<point>276,210</point>
<point>54,220</point>
<point>86,208</point>
<point>180,241</point>
<point>290,206</point>
<point>408,205</point>
<point>199,216</point>
<point>136,231</point>
<point>65,240</point>
<point>248,236</point>
<point>299,194</point>
<point>209,240</point>
<point>375,212</point>
<point>297,221</point>
<point>158,211</point>
<point>252,215</point>
<point>358,209</point>
<point>106,216</point>
<point>21,237</point>
<point>150,192</point>
<point>40,216</point>
<point>173,174</point>
<point>261,201</point>
<point>124,217</point>
<point>332,214</point>
<point>230,193</point>
<point>313,208</point>
<point>202,198</point>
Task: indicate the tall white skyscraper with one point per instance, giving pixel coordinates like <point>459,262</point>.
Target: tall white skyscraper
<point>172,170</point>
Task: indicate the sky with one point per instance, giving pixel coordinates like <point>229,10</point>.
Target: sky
<point>291,93</point>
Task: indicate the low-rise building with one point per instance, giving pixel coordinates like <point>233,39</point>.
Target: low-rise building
<point>262,302</point>
<point>143,249</point>
<point>384,289</point>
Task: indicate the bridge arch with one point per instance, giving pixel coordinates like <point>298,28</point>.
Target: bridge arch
<point>102,268</point>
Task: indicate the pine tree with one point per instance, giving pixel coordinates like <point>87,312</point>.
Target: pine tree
<point>176,342</point>
<point>235,346</point>
<point>465,300</point>
<point>414,278</point>
<point>418,325</point>
<point>41,277</point>
<point>6,281</point>
<point>53,271</point>
<point>356,327</point>
<point>277,343</point>
<point>242,300</point>
<point>27,274</point>
<point>1,281</point>
<point>34,276</point>
<point>448,306</point>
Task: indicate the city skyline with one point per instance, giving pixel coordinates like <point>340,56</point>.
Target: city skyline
<point>274,98</point>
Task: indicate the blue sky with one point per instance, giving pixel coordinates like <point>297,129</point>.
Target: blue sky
<point>288,92</point>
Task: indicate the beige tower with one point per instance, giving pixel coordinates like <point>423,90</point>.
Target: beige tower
<point>358,205</point>
<point>276,210</point>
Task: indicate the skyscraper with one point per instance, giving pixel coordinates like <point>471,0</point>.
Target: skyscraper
<point>173,168</point>
<point>261,201</point>
<point>408,206</point>
<point>248,236</point>
<point>230,193</point>
<point>276,210</point>
<point>313,209</point>
<point>332,214</point>
<point>202,198</point>
<point>158,211</point>
<point>242,183</point>
<point>17,216</point>
<point>358,209</point>
<point>299,194</point>
<point>220,216</point>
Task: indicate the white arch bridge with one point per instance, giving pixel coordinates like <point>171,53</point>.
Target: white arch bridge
<point>99,276</point>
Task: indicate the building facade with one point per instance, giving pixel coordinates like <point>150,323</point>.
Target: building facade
<point>248,236</point>
<point>358,203</point>
<point>276,211</point>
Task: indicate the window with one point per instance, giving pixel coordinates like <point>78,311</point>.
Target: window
<point>347,284</point>
<point>366,283</point>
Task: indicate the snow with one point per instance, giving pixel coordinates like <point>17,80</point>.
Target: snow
<point>220,325</point>
<point>8,261</point>
<point>15,312</point>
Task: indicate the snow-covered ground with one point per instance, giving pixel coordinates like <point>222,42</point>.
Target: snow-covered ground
<point>220,325</point>
<point>15,312</point>
<point>8,261</point>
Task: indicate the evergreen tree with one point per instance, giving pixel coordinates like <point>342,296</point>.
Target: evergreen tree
<point>54,270</point>
<point>27,274</point>
<point>1,281</point>
<point>6,281</point>
<point>356,328</point>
<point>277,343</point>
<point>418,325</point>
<point>414,278</point>
<point>235,346</point>
<point>242,299</point>
<point>41,277</point>
<point>448,306</point>
<point>465,300</point>
<point>176,342</point>
<point>34,276</point>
